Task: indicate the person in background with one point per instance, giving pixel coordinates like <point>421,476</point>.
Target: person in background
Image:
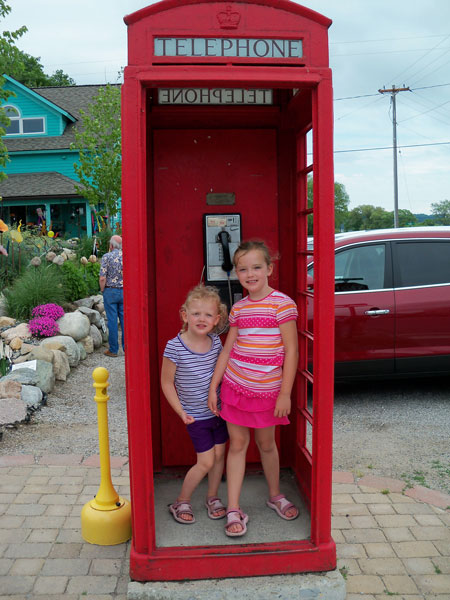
<point>111,284</point>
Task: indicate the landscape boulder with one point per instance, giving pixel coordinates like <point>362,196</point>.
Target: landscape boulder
<point>42,377</point>
<point>7,321</point>
<point>66,343</point>
<point>21,331</point>
<point>76,325</point>
<point>61,366</point>
<point>96,336</point>
<point>10,389</point>
<point>12,410</point>
<point>87,344</point>
<point>32,396</point>
<point>93,315</point>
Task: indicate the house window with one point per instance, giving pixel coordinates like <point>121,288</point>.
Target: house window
<point>23,125</point>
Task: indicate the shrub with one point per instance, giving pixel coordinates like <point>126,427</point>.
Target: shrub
<point>43,327</point>
<point>75,284</point>
<point>92,271</point>
<point>37,285</point>
<point>51,311</point>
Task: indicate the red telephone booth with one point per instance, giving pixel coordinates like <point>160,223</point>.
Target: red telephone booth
<point>227,110</point>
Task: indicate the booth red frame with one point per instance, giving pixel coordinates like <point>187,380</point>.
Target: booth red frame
<point>313,467</point>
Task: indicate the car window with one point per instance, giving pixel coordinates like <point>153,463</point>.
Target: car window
<point>360,268</point>
<point>422,263</point>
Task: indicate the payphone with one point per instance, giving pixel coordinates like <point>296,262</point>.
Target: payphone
<point>222,236</point>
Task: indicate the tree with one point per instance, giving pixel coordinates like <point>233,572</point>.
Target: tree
<point>441,212</point>
<point>99,144</point>
<point>367,216</point>
<point>341,202</point>
<point>406,218</point>
<point>7,47</point>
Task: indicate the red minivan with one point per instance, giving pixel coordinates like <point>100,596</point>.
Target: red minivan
<point>392,302</point>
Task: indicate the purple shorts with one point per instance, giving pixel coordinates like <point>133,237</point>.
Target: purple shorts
<point>207,433</point>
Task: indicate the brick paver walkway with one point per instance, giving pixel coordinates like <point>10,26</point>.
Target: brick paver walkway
<point>391,541</point>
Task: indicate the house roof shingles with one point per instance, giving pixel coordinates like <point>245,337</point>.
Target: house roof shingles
<point>37,185</point>
<point>72,99</point>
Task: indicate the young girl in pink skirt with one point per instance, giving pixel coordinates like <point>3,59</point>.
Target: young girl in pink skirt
<point>257,368</point>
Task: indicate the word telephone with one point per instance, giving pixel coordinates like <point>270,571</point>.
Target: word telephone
<point>222,236</point>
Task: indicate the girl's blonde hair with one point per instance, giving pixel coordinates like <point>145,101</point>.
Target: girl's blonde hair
<point>206,292</point>
<point>249,245</point>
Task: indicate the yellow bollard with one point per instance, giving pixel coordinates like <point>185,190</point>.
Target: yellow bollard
<point>105,520</point>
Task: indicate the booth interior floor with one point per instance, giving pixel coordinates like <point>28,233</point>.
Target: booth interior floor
<point>264,524</point>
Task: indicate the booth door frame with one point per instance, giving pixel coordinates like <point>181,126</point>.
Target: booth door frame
<point>149,562</point>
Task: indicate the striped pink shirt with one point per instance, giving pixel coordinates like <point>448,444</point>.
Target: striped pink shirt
<point>256,359</point>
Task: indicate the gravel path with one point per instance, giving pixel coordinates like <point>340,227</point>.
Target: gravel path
<point>391,429</point>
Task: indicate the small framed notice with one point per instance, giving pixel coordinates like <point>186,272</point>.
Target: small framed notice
<point>29,364</point>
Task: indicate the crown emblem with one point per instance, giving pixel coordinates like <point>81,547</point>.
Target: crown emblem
<point>228,19</point>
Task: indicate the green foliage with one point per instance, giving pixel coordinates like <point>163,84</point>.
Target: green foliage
<point>75,286</point>
<point>92,272</point>
<point>99,145</point>
<point>367,216</point>
<point>37,285</point>
<point>341,202</point>
<point>80,280</point>
<point>7,48</point>
<point>441,212</point>
<point>85,246</point>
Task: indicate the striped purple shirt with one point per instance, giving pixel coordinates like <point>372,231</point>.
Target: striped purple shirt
<point>193,374</point>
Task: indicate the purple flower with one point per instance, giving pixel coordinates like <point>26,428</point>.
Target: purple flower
<point>43,327</point>
<point>50,311</point>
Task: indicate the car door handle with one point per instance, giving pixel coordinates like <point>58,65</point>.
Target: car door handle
<point>377,311</point>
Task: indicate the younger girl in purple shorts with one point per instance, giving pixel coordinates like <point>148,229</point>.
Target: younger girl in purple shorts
<point>188,364</point>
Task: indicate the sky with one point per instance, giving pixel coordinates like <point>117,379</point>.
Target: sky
<point>374,44</point>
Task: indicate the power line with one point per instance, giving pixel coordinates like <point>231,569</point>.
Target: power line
<point>427,87</point>
<point>391,147</point>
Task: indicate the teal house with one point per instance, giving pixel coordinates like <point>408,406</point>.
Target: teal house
<point>41,177</point>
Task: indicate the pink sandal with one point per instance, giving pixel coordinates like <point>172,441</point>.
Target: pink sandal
<point>241,519</point>
<point>214,504</point>
<point>182,508</point>
<point>285,505</point>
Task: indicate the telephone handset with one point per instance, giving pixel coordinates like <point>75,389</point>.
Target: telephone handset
<point>222,236</point>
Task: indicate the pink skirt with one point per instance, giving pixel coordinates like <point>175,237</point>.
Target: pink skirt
<point>235,403</point>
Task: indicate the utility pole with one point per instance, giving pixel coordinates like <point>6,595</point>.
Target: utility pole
<point>394,91</point>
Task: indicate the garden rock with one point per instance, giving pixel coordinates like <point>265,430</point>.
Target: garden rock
<point>88,344</point>
<point>76,325</point>
<point>96,336</point>
<point>32,396</point>
<point>20,331</point>
<point>10,389</point>
<point>87,302</point>
<point>66,343</point>
<point>61,366</point>
<point>26,348</point>
<point>12,410</point>
<point>37,353</point>
<point>50,344</point>
<point>7,322</point>
<point>16,343</point>
<point>43,377</point>
<point>83,353</point>
<point>93,315</point>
